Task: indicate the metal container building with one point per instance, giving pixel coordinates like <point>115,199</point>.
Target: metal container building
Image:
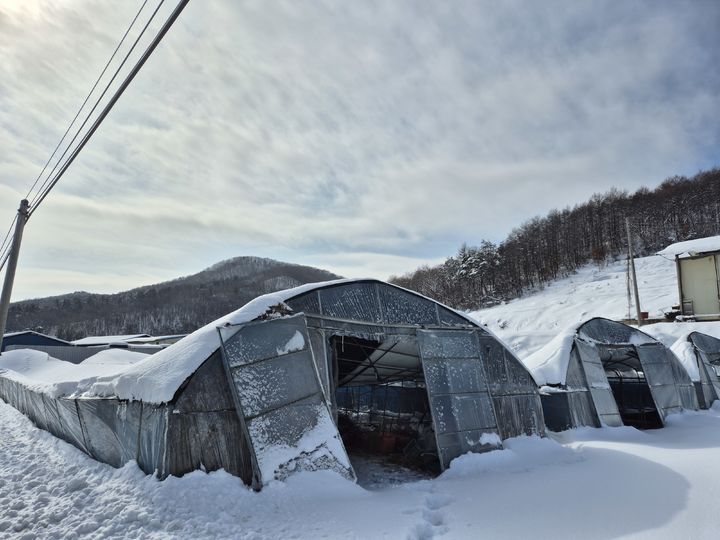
<point>698,275</point>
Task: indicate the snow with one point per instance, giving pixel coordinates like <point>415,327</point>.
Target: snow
<point>589,483</point>
<point>106,340</point>
<point>155,379</point>
<point>668,333</point>
<point>43,373</point>
<point>295,343</point>
<point>685,352</point>
<point>549,365</point>
<point>114,357</point>
<point>586,482</point>
<point>529,323</point>
<point>689,248</point>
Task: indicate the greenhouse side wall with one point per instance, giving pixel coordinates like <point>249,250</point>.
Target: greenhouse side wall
<point>109,430</point>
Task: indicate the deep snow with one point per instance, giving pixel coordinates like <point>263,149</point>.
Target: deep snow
<point>589,483</point>
<point>584,483</point>
<point>529,323</point>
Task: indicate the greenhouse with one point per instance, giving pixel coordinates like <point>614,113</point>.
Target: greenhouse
<point>603,372</point>
<point>303,379</point>
<point>700,355</point>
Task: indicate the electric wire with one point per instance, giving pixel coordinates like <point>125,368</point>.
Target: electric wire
<point>128,79</point>
<point>5,249</point>
<point>77,114</point>
<point>49,180</point>
<point>46,187</point>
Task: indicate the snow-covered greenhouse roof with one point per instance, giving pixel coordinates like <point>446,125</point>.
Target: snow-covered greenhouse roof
<point>690,248</point>
<point>549,365</point>
<point>156,378</point>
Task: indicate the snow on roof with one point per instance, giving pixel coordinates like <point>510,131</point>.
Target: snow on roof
<point>105,340</point>
<point>550,364</point>
<point>690,247</point>
<point>23,332</point>
<point>685,352</point>
<point>156,378</point>
<point>42,373</point>
<point>153,339</point>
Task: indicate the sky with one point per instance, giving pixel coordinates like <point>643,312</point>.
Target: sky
<point>366,138</point>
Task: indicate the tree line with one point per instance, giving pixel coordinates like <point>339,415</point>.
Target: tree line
<point>546,248</point>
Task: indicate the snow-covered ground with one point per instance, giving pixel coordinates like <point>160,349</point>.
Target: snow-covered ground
<point>585,483</point>
<point>528,323</point>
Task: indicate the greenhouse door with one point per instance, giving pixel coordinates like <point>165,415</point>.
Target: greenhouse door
<point>460,402</point>
<point>661,378</point>
<point>597,381</point>
<point>280,401</point>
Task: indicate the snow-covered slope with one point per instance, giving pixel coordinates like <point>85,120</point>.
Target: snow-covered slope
<point>528,323</point>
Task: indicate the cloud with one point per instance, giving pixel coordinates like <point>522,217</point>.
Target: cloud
<point>368,137</point>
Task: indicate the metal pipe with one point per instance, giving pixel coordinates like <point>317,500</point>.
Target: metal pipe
<point>632,271</point>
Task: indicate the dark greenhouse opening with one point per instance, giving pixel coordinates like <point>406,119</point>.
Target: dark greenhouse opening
<point>383,411</point>
<point>630,389</point>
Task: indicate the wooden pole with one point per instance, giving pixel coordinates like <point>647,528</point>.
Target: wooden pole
<point>12,266</point>
<point>632,272</point>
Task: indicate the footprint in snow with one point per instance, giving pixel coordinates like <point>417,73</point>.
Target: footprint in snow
<point>433,522</point>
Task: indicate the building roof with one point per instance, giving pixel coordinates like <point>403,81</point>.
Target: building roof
<point>106,340</point>
<point>26,332</point>
<point>690,248</point>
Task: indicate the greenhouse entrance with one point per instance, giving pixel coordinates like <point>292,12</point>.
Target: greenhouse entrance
<point>630,387</point>
<point>383,410</point>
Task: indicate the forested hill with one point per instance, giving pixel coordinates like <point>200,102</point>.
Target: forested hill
<point>177,306</point>
<point>553,246</point>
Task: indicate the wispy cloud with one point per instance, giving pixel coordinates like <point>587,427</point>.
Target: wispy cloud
<point>363,137</point>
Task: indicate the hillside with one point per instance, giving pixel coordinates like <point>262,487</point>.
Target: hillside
<point>176,306</point>
<point>543,249</point>
<point>529,322</point>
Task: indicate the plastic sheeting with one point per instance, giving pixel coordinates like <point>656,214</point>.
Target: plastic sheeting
<point>200,429</point>
<point>707,355</point>
<point>599,344</point>
<point>460,402</point>
<point>280,400</point>
<point>257,405</point>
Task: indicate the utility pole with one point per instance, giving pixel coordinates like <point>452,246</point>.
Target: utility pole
<point>22,217</point>
<point>632,271</point>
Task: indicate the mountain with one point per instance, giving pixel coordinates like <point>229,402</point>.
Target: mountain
<point>173,307</point>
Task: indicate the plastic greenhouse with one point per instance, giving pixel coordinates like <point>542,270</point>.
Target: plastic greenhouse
<point>603,372</point>
<point>296,380</point>
<point>700,354</point>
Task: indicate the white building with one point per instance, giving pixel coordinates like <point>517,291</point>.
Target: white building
<point>698,270</point>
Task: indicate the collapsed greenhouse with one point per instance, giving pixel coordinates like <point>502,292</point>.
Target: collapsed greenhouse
<point>700,355</point>
<point>292,381</point>
<point>603,372</point>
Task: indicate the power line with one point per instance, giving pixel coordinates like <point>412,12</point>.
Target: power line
<point>44,191</point>
<point>128,79</point>
<point>49,179</point>
<point>119,92</point>
<point>77,114</point>
<point>5,249</point>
